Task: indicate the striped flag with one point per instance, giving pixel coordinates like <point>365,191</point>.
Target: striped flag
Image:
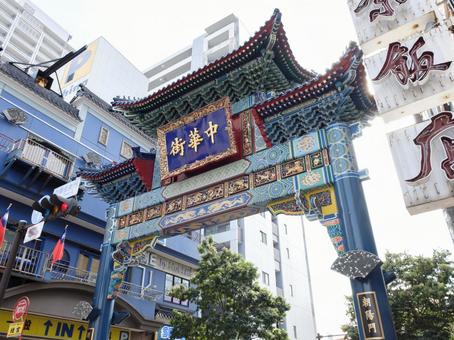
<point>57,253</point>
<point>3,223</point>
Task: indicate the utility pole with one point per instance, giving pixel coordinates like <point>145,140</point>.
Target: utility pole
<point>18,238</point>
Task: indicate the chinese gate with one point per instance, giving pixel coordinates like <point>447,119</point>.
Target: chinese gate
<point>250,132</point>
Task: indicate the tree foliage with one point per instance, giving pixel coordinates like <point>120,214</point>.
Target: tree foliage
<point>232,304</point>
<point>421,298</point>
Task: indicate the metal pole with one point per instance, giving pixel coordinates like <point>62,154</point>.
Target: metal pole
<point>356,224</point>
<point>101,324</point>
<point>18,238</point>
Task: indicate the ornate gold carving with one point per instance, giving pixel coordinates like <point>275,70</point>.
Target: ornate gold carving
<point>136,217</point>
<point>123,222</point>
<point>247,132</point>
<point>265,176</point>
<point>153,212</point>
<point>223,103</point>
<point>292,168</point>
<point>316,160</point>
<point>234,186</point>
<point>325,156</point>
<point>206,195</point>
<point>174,205</point>
<point>238,184</point>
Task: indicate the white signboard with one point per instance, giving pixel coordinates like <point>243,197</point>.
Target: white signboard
<point>424,159</point>
<point>69,189</point>
<point>34,232</point>
<point>379,23</point>
<point>414,75</point>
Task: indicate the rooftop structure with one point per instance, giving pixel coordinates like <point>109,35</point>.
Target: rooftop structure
<point>218,40</point>
<point>28,35</point>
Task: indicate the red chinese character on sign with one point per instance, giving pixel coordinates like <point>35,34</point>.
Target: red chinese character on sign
<point>438,124</point>
<point>385,9</point>
<point>447,164</point>
<point>407,66</point>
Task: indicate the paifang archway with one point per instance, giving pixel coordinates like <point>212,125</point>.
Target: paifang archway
<point>249,132</point>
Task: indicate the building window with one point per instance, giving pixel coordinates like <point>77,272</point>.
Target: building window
<point>266,278</point>
<point>217,229</point>
<point>103,136</point>
<point>94,265</point>
<point>221,246</point>
<point>82,265</point>
<point>172,281</point>
<point>126,150</point>
<point>291,290</point>
<point>294,332</point>
<point>288,253</point>
<point>263,237</point>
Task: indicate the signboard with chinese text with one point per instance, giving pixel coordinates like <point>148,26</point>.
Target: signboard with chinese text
<point>424,157</point>
<point>15,329</point>
<point>379,23</point>
<point>414,75</point>
<point>370,316</point>
<point>197,139</point>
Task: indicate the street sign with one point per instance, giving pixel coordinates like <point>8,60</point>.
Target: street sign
<point>36,217</point>
<point>21,308</point>
<point>46,327</point>
<point>34,232</point>
<point>423,157</point>
<point>15,329</point>
<point>69,189</point>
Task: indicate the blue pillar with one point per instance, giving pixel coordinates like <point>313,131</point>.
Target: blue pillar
<point>100,301</point>
<point>356,224</point>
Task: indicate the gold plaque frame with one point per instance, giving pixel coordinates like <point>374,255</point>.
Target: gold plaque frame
<point>222,103</point>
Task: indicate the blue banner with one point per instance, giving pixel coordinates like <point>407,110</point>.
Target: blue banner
<point>197,139</point>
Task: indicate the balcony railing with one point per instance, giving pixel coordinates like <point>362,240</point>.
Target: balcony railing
<point>144,293</point>
<point>29,261</point>
<point>36,264</point>
<point>35,153</point>
<point>60,271</point>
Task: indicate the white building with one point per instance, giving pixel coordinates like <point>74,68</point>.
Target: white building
<point>28,35</point>
<point>219,39</point>
<point>105,71</point>
<point>277,247</point>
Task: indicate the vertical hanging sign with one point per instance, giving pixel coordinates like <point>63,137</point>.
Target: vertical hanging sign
<point>370,316</point>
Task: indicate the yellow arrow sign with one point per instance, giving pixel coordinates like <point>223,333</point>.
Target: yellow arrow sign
<point>54,328</point>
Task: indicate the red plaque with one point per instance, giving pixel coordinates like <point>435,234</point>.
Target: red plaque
<point>21,308</point>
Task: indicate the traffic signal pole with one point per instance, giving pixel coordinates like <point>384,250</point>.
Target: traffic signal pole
<point>101,323</point>
<point>18,239</point>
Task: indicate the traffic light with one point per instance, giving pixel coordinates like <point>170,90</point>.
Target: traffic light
<point>55,206</point>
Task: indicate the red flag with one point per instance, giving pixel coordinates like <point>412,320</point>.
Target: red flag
<point>57,253</point>
<point>3,223</point>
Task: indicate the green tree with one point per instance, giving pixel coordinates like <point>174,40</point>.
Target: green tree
<point>421,298</point>
<point>232,304</point>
